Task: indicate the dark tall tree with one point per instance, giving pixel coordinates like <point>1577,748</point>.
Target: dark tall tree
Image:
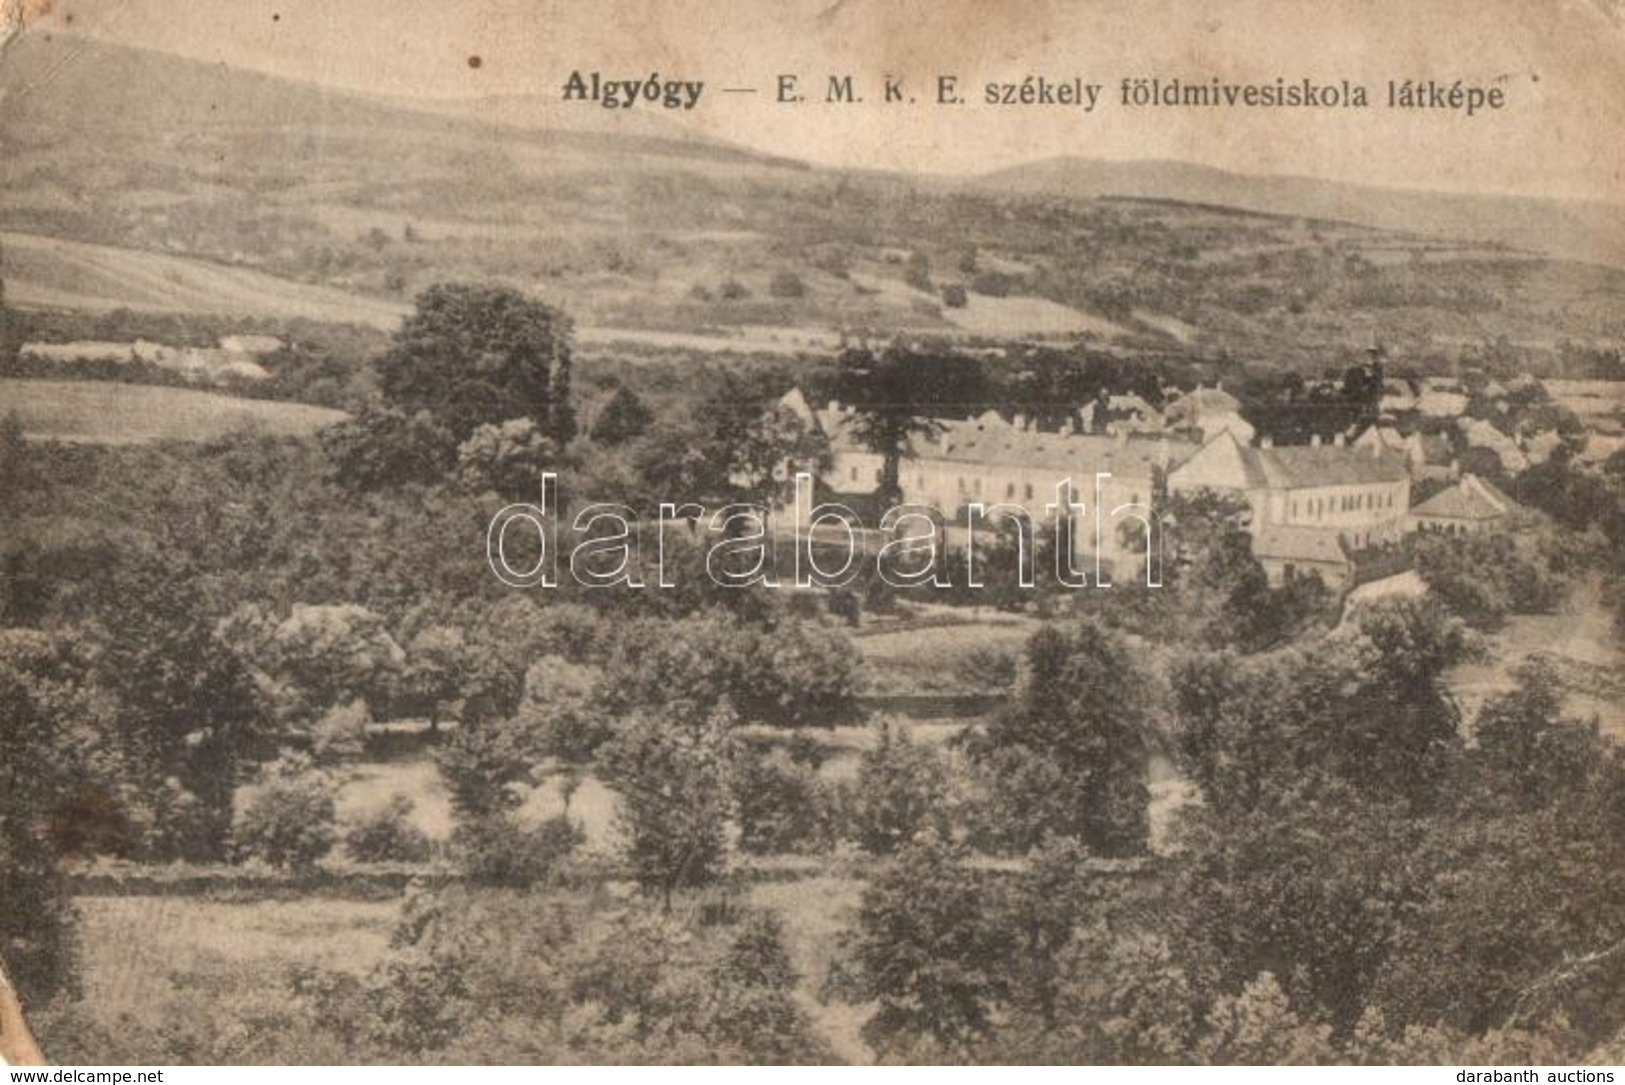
<point>471,355</point>
<point>928,952</point>
<point>623,418</point>
<point>42,699</point>
<point>1069,755</point>
<point>899,393</point>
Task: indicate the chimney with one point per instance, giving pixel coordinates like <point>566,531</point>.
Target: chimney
<point>1020,421</point>
<point>1266,441</point>
<point>1314,440</point>
<point>834,406</point>
<point>1337,439</point>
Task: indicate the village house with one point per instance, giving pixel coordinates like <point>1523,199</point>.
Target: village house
<point>1311,505</point>
<point>1470,507</point>
<point>1208,412</point>
<point>1428,455</point>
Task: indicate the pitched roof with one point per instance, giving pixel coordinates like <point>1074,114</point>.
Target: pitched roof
<point>1328,465</point>
<point>989,440</point>
<point>1286,543</point>
<point>1203,401</point>
<point>1470,499</point>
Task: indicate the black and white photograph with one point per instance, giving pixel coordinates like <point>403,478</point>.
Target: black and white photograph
<point>861,533</point>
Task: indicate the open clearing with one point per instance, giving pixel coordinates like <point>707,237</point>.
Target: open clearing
<point>99,412</point>
<point>1578,641</point>
<point>45,272</point>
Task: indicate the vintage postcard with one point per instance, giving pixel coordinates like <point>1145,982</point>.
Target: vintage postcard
<point>849,532</point>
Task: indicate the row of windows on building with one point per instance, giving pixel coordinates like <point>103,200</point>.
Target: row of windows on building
<point>972,487</point>
<point>1317,507</point>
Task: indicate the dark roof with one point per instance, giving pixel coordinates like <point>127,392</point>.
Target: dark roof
<point>1285,543</point>
<point>1296,466</point>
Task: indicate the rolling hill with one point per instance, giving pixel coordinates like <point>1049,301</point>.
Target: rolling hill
<point>147,181</point>
<point>1586,231</point>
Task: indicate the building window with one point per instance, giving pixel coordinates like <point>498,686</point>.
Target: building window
<point>1028,490</point>
<point>1009,489</point>
<point>854,472</point>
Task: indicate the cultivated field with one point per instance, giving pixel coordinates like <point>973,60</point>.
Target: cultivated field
<point>46,272</point>
<point>94,412</point>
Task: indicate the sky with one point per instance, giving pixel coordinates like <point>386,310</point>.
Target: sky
<point>1561,64</point>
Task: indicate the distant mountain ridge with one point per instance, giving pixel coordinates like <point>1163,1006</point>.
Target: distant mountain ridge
<point>85,108</point>
<point>80,88</point>
<point>1588,231</point>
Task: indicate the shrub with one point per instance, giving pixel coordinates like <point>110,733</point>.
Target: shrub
<point>387,835</point>
<point>782,806</point>
<point>341,733</point>
<point>497,850</point>
<point>902,789</point>
<point>787,284</point>
<point>289,823</point>
<point>954,296</point>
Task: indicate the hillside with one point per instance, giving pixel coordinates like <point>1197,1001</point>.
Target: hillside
<point>1587,231</point>
<point>44,272</point>
<point>139,180</point>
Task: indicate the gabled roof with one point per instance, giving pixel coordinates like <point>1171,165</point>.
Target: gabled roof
<point>1330,465</point>
<point>1203,401</point>
<point>988,440</point>
<point>1470,499</point>
<point>1292,467</point>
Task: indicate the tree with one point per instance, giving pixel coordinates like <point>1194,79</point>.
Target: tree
<point>43,702</point>
<point>901,791</point>
<point>322,656</point>
<point>1363,706</point>
<point>624,418</point>
<point>188,709</point>
<point>1069,755</point>
<point>898,394</point>
<point>672,775</point>
<point>926,951</point>
<point>563,707</point>
<point>18,470</point>
<point>384,447</point>
<point>1313,890</point>
<point>750,1012</point>
<point>783,805</point>
<point>471,355</point>
<point>387,835</point>
<point>290,822</point>
<point>437,658</point>
<point>1258,1027</point>
<point>507,459</point>
<point>1528,744</point>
